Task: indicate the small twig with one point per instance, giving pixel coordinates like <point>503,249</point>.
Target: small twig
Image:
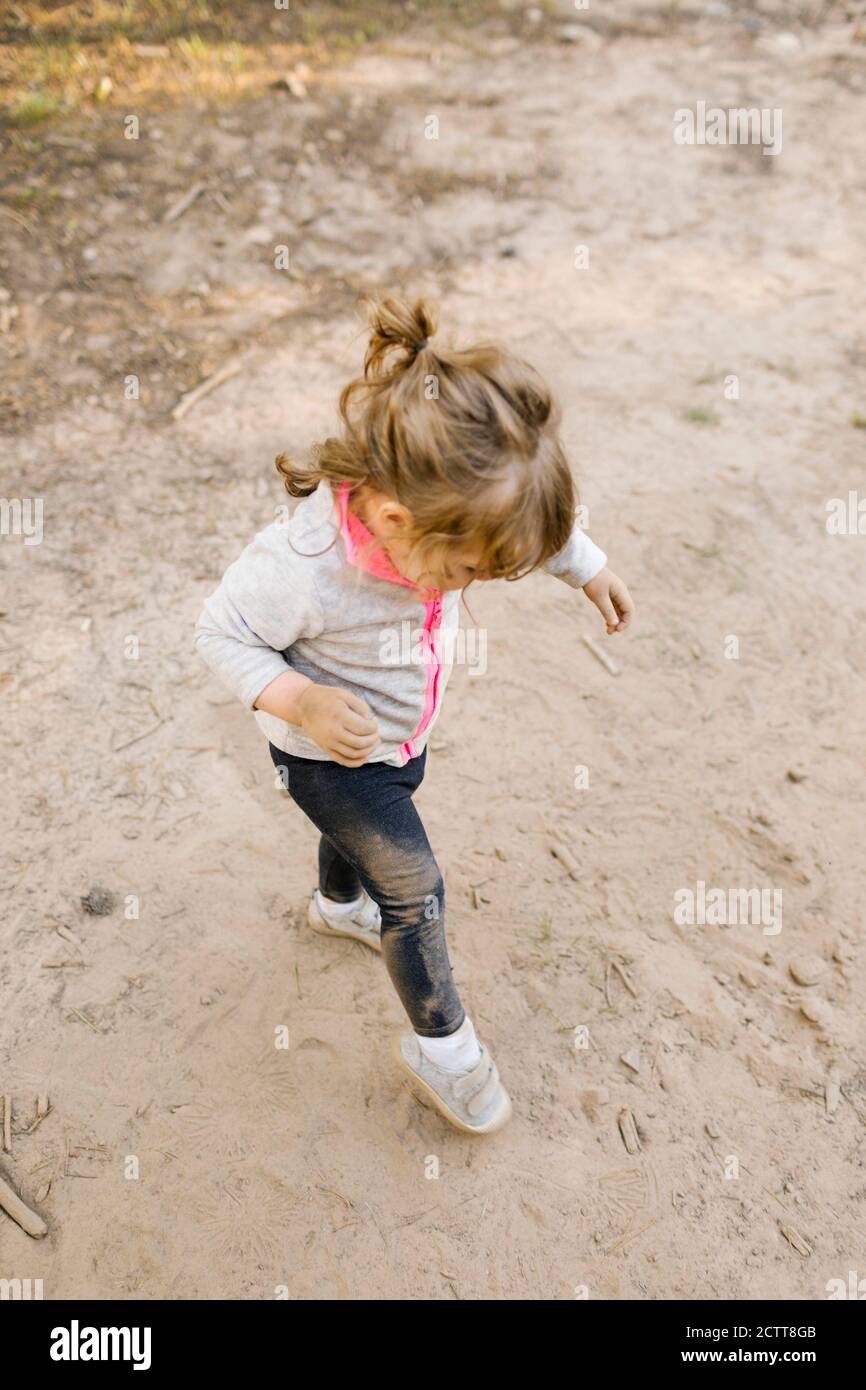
<point>794,1239</point>
<point>601,656</point>
<point>27,1219</point>
<point>630,1235</point>
<point>89,1021</point>
<point>192,398</point>
<point>625,977</point>
<point>179,207</point>
<point>43,1108</point>
<point>560,852</point>
<point>69,936</point>
<point>628,1130</point>
<point>130,741</point>
<point>773,1195</point>
<point>334,1193</point>
<point>7,1123</point>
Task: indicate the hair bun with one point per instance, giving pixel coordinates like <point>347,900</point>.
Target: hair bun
<point>396,324</point>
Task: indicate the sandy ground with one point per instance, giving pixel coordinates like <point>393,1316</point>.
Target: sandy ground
<point>310,1168</point>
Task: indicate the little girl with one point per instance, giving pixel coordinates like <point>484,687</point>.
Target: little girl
<point>447,470</point>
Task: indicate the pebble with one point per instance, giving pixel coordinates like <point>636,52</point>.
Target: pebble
<point>807,970</point>
<point>817,1012</point>
<point>98,902</point>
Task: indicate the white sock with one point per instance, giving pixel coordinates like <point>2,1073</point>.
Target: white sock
<point>332,909</point>
<point>459,1051</point>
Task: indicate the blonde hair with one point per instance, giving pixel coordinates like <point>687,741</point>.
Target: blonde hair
<point>466,440</point>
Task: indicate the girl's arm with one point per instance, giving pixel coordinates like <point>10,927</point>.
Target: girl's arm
<point>583,565</point>
<point>265,602</point>
<point>335,719</point>
<point>579,560</point>
<point>283,697</point>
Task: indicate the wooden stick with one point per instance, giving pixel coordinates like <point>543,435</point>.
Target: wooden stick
<point>630,1235</point>
<point>28,1220</point>
<point>563,854</point>
<point>794,1238</point>
<point>179,207</point>
<point>43,1108</point>
<point>628,1130</point>
<point>76,1013</point>
<point>69,936</point>
<point>601,656</point>
<point>625,977</point>
<point>130,741</point>
<point>186,403</point>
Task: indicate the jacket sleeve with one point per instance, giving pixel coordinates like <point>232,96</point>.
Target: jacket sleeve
<point>266,601</point>
<point>579,560</point>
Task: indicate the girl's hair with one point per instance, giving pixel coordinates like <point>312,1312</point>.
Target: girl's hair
<point>465,440</point>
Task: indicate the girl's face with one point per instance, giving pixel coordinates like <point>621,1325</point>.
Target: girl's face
<point>460,569</point>
<point>388,520</point>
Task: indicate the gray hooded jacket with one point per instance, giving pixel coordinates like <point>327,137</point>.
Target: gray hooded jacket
<point>300,596</point>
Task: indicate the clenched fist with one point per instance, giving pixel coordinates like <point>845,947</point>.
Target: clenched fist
<point>339,722</point>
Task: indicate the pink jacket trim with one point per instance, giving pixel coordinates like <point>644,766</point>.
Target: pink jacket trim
<point>357,538</point>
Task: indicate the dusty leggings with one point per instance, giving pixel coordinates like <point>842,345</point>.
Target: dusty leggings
<point>372,838</point>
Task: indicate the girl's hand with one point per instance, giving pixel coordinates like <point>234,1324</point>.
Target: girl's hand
<point>612,599</point>
<point>339,722</point>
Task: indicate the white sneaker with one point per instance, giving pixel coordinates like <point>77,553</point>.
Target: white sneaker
<point>475,1101</point>
<point>363,925</point>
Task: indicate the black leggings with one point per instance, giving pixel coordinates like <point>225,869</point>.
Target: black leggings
<point>372,838</point>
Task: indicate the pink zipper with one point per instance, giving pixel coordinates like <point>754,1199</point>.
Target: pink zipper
<point>356,536</point>
<point>432,624</point>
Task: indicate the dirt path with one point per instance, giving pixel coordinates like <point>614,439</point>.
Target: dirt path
<point>127,767</point>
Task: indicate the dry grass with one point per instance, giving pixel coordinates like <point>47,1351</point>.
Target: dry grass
<point>56,60</point>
